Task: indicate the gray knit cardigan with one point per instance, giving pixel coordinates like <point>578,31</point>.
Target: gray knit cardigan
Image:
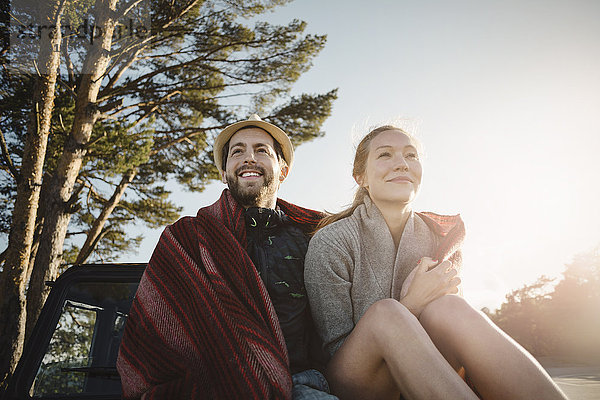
<point>352,263</point>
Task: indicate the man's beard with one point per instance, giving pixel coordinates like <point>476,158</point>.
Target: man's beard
<point>256,196</point>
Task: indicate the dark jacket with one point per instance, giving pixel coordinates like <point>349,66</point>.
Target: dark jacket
<point>277,248</point>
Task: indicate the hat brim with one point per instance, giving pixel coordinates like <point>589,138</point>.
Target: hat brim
<point>279,135</point>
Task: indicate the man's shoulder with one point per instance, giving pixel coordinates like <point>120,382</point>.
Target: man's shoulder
<point>182,221</point>
<point>196,224</point>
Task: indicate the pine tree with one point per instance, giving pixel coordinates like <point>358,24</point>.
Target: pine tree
<point>144,87</point>
<point>26,184</point>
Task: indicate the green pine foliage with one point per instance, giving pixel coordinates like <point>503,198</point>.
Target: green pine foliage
<point>169,89</point>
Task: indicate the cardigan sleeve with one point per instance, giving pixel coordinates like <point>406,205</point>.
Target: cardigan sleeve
<point>328,280</point>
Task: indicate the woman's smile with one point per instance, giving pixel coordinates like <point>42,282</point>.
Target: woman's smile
<point>400,179</point>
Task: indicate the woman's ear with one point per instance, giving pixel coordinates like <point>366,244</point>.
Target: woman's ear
<point>361,181</point>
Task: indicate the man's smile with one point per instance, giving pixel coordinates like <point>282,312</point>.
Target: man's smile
<point>247,174</point>
<point>250,173</point>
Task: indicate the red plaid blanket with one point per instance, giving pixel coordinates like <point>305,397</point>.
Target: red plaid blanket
<point>202,324</point>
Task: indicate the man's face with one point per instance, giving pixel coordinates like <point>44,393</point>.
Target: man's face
<point>253,172</point>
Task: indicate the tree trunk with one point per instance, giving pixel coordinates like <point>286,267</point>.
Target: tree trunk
<point>96,229</point>
<point>58,207</point>
<point>14,275</point>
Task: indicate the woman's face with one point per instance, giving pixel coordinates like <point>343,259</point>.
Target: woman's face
<point>393,170</point>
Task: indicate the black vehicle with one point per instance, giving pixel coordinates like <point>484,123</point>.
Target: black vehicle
<point>74,345</point>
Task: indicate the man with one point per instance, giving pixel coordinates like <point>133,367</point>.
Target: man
<point>221,310</point>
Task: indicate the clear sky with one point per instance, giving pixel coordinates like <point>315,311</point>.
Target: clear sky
<point>504,95</point>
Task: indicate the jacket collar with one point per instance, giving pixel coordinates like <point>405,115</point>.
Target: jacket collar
<point>258,217</point>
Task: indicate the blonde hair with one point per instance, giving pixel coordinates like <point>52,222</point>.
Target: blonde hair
<point>359,167</point>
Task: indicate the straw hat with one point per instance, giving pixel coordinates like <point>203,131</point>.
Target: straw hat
<point>279,135</point>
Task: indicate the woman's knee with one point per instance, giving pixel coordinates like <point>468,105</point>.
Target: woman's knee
<point>446,312</point>
<point>386,310</point>
<point>388,316</point>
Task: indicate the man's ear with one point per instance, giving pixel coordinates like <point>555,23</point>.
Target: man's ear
<point>284,172</point>
<point>223,178</point>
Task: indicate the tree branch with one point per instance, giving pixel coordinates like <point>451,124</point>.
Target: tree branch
<point>67,86</point>
<point>140,45</point>
<point>181,13</point>
<point>154,108</point>
<point>95,231</point>
<point>186,137</point>
<point>7,160</point>
<point>134,83</point>
<point>133,50</point>
<point>91,190</point>
<point>120,72</point>
<point>69,64</point>
<point>127,7</point>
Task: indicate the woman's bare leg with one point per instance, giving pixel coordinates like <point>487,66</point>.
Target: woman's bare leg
<point>498,366</point>
<point>389,354</point>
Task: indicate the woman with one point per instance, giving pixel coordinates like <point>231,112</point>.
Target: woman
<point>382,284</point>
